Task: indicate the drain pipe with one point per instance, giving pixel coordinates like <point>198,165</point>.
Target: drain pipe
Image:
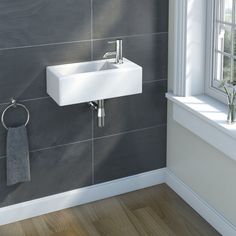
<point>101,114</point>
<point>100,108</point>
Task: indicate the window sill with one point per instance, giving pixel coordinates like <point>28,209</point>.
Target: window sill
<point>206,118</point>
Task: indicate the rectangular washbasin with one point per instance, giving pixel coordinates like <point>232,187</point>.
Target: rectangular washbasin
<point>91,81</point>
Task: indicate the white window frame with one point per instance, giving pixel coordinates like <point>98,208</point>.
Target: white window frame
<point>189,63</point>
<point>193,67</point>
<point>210,84</point>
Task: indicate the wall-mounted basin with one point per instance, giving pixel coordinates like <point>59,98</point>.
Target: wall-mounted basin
<point>90,81</point>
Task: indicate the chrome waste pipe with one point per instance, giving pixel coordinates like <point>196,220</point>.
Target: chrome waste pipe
<point>99,106</point>
<point>101,114</point>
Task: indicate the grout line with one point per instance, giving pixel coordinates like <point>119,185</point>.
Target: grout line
<point>93,139</point>
<point>92,51</point>
<point>130,36</point>
<point>130,132</point>
<point>34,99</point>
<point>93,147</point>
<point>61,145</point>
<point>81,41</point>
<point>26,100</point>
<point>154,81</point>
<point>91,29</point>
<point>44,45</point>
<point>46,97</point>
<point>5,103</point>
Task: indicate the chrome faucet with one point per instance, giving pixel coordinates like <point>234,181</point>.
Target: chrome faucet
<point>118,53</point>
<point>99,105</point>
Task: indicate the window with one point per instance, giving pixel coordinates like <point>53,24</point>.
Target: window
<point>220,46</point>
<point>224,55</point>
<point>191,39</point>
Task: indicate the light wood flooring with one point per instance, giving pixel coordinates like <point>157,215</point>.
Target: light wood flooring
<point>150,212</point>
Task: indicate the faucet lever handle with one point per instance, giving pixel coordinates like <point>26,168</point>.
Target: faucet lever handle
<point>118,53</point>
<point>111,42</point>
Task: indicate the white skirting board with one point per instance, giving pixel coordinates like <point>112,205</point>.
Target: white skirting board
<point>80,196</point>
<point>85,195</point>
<point>213,217</point>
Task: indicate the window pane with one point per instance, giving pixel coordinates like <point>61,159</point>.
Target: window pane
<point>234,33</point>
<point>234,75</point>
<point>225,42</point>
<point>234,11</point>
<point>224,38</point>
<point>219,66</point>
<point>227,68</point>
<point>228,10</point>
<point>227,39</point>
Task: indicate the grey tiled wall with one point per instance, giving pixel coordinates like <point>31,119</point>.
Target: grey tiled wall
<point>67,150</point>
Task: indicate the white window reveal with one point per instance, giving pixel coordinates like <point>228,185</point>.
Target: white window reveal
<point>203,55</point>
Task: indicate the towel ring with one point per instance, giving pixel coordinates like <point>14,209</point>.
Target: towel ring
<point>15,104</point>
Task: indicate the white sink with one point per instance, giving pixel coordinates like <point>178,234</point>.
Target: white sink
<point>91,81</point>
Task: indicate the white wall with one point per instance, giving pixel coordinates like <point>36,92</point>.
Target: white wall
<point>209,173</point>
<point>204,169</point>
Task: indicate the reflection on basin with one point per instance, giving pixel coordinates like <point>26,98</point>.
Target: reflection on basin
<point>90,81</point>
<point>79,68</point>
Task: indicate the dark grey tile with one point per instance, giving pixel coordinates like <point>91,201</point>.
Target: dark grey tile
<point>32,22</point>
<point>150,52</point>
<point>50,125</point>
<point>129,154</point>
<point>113,18</point>
<point>23,71</point>
<point>135,112</point>
<point>52,171</point>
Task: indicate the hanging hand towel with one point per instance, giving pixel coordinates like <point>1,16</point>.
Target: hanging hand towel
<point>18,166</point>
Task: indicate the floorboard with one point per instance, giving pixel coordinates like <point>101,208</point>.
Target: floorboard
<point>149,212</point>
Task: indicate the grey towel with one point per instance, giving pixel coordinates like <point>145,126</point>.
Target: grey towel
<point>18,166</point>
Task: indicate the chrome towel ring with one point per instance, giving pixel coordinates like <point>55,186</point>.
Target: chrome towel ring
<point>15,104</point>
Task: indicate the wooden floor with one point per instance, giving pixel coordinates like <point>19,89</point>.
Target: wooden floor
<point>152,211</point>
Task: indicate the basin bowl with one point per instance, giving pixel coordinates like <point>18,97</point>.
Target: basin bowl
<point>91,81</point>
